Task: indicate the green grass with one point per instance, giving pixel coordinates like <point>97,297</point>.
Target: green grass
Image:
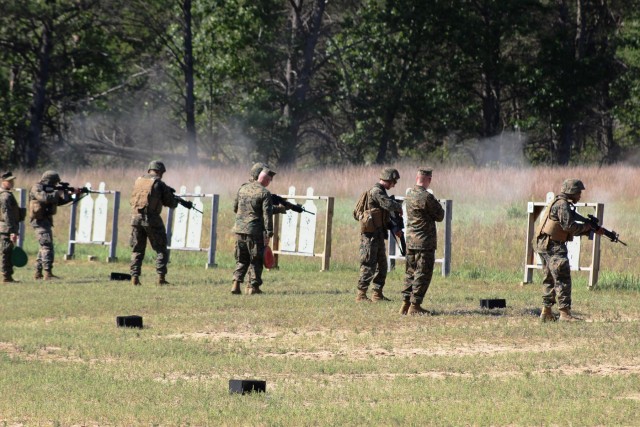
<point>326,360</point>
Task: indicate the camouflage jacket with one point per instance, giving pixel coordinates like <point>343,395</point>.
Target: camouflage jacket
<point>423,211</point>
<point>562,211</point>
<point>378,198</point>
<point>43,202</point>
<point>9,213</point>
<point>253,209</point>
<point>148,197</point>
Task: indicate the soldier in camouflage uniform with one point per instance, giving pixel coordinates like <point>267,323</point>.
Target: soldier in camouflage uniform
<point>253,227</point>
<point>148,197</point>
<point>557,227</point>
<point>373,255</point>
<point>423,211</point>
<point>10,217</point>
<point>44,200</point>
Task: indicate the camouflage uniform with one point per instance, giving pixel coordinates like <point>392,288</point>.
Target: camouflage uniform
<point>423,211</point>
<point>148,197</point>
<point>373,255</point>
<point>554,255</point>
<point>10,217</point>
<point>43,205</point>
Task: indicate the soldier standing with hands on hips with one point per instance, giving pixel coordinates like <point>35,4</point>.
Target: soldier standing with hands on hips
<point>44,199</point>
<point>148,197</point>
<point>253,227</point>
<point>10,217</point>
<point>423,211</point>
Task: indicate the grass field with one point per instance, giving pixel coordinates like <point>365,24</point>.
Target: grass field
<point>327,360</point>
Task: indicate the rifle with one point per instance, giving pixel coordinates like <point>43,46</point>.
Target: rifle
<point>64,186</point>
<point>186,203</point>
<point>397,224</point>
<point>595,225</point>
<point>277,200</point>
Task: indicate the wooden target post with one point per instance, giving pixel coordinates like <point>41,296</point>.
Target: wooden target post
<point>537,210</point>
<point>184,226</point>
<point>300,228</point>
<point>92,226</point>
<point>394,254</point>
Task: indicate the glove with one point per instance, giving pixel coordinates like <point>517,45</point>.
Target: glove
<point>270,234</point>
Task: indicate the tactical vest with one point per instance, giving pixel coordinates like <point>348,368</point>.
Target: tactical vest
<point>40,210</point>
<point>552,228</point>
<point>142,197</point>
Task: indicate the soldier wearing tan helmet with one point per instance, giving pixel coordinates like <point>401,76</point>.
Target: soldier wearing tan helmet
<point>11,215</point>
<point>44,199</point>
<point>557,227</point>
<point>373,255</point>
<point>148,197</point>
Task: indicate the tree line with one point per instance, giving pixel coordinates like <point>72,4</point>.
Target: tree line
<point>315,82</point>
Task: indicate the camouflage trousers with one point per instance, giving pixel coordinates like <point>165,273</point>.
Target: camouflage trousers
<point>557,279</point>
<point>373,260</point>
<point>6,247</point>
<point>418,272</point>
<point>249,255</point>
<point>157,236</point>
<point>46,255</point>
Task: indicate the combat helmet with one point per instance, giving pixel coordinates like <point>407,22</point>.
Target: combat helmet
<point>256,169</point>
<point>156,165</point>
<point>572,186</point>
<point>50,177</point>
<point>390,174</point>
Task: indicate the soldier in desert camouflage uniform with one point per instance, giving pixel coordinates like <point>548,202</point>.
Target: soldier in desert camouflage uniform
<point>423,211</point>
<point>557,227</point>
<point>44,200</point>
<point>148,197</point>
<point>10,217</point>
<point>253,227</point>
<point>373,255</point>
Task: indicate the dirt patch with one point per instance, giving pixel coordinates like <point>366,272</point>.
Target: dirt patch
<point>46,354</point>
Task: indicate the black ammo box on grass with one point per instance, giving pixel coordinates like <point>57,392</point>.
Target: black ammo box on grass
<point>247,386</point>
<point>493,303</point>
<point>129,321</point>
<point>120,276</point>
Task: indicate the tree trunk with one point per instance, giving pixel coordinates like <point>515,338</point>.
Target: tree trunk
<point>31,150</point>
<point>189,85</point>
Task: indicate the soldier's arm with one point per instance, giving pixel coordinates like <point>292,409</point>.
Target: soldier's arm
<point>568,222</point>
<point>279,209</point>
<point>267,212</point>
<point>434,208</point>
<point>166,195</point>
<point>12,214</point>
<point>384,201</point>
<point>40,195</point>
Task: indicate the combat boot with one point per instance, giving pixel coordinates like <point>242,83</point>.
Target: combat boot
<point>236,288</point>
<point>162,280</point>
<point>565,315</point>
<point>6,278</point>
<point>38,275</point>
<point>405,307</point>
<point>257,290</point>
<point>362,296</point>
<point>378,296</point>
<point>416,310</point>
<point>48,275</point>
<point>135,281</point>
<point>547,315</point>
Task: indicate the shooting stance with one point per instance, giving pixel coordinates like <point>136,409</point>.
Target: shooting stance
<point>554,230</point>
<point>44,199</point>
<point>10,217</point>
<point>375,211</point>
<point>423,211</point>
<point>149,195</point>
<point>253,227</point>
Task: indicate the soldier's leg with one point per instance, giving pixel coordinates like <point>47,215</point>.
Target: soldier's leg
<point>6,247</point>
<point>367,261</point>
<point>46,252</point>
<point>548,282</point>
<point>561,271</point>
<point>243,259</point>
<point>380,276</point>
<point>158,238</point>
<point>409,271</point>
<point>423,275</point>
<point>138,243</point>
<point>256,251</point>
